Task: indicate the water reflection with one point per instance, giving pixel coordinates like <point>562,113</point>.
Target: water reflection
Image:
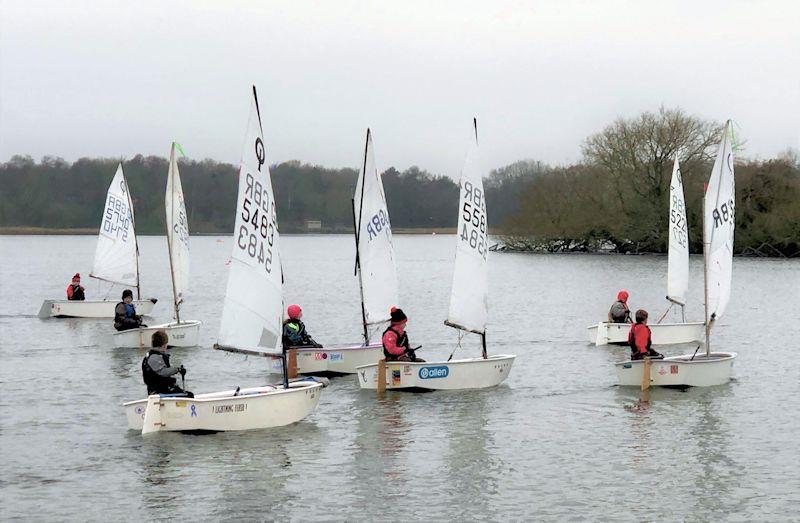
<point>468,460</point>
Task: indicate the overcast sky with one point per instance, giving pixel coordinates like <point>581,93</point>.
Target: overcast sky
<point>108,78</point>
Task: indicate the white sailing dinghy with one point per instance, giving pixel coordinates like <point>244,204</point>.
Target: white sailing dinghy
<point>377,278</point>
<point>677,282</point>
<point>251,320</point>
<point>116,259</point>
<point>182,333</point>
<point>468,310</point>
<point>711,368</point>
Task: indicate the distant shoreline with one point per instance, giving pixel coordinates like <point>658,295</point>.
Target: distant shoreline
<point>45,231</point>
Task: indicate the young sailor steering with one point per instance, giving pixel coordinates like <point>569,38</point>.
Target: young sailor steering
<point>639,338</point>
<point>619,312</point>
<point>75,289</point>
<point>125,317</point>
<point>396,346</point>
<point>158,373</point>
<point>294,330</point>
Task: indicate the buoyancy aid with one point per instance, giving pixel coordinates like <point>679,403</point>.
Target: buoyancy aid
<point>155,382</point>
<point>638,333</point>
<point>402,341</point>
<point>75,292</point>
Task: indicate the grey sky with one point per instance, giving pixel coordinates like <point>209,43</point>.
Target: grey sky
<point>107,78</point>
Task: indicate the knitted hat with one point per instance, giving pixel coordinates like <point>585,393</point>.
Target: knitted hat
<point>398,315</point>
<point>127,292</point>
<point>77,277</point>
<point>623,296</point>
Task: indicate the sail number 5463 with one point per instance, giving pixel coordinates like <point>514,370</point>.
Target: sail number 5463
<point>258,227</point>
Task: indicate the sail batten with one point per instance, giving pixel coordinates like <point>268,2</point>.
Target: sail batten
<point>469,307</point>
<point>177,233</point>
<point>719,225</point>
<point>116,256</point>
<point>253,307</point>
<point>375,254</point>
<point>678,254</point>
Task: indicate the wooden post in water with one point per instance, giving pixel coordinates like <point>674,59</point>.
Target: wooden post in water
<point>381,376</point>
<point>646,374</point>
<point>291,365</point>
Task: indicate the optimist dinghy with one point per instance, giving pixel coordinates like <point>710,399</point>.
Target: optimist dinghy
<point>677,282</point>
<point>711,368</point>
<point>182,333</point>
<point>377,278</point>
<point>116,259</point>
<point>468,305</point>
<point>251,320</point>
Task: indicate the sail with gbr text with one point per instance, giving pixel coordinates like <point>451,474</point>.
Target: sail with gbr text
<point>719,224</point>
<point>115,259</point>
<point>253,309</point>
<point>375,256</point>
<point>469,308</point>
<point>678,258</point>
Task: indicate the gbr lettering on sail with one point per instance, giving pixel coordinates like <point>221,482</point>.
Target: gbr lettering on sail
<point>256,234</point>
<point>473,218</point>
<point>723,213</point>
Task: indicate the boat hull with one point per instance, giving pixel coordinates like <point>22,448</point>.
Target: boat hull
<point>252,408</point>
<point>333,361</point>
<point>605,333</point>
<point>469,373</point>
<point>183,334</point>
<point>89,308</point>
<point>680,371</point>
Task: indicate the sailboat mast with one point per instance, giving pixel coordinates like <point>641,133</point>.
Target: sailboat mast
<point>169,240</point>
<point>356,225</point>
<point>483,345</point>
<point>706,246</point>
<point>135,238</point>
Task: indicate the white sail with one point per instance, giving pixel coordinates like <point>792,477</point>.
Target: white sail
<point>678,259</point>
<point>115,258</point>
<point>469,308</point>
<point>177,231</point>
<point>719,221</point>
<point>253,309</point>
<point>376,263</point>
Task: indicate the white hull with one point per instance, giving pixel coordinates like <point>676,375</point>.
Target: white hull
<point>89,308</point>
<point>183,334</point>
<point>680,371</point>
<point>333,360</point>
<point>470,373</point>
<point>252,408</point>
<point>605,333</point>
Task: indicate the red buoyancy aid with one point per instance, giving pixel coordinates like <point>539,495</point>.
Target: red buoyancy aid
<point>639,338</point>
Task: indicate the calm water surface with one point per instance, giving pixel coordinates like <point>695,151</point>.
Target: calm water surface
<point>558,441</point>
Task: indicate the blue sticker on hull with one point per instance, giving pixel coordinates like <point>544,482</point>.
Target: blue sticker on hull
<point>427,373</point>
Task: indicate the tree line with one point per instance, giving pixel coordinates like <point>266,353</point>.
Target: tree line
<point>616,198</point>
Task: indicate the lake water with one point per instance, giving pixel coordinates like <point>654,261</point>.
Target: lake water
<point>557,441</point>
